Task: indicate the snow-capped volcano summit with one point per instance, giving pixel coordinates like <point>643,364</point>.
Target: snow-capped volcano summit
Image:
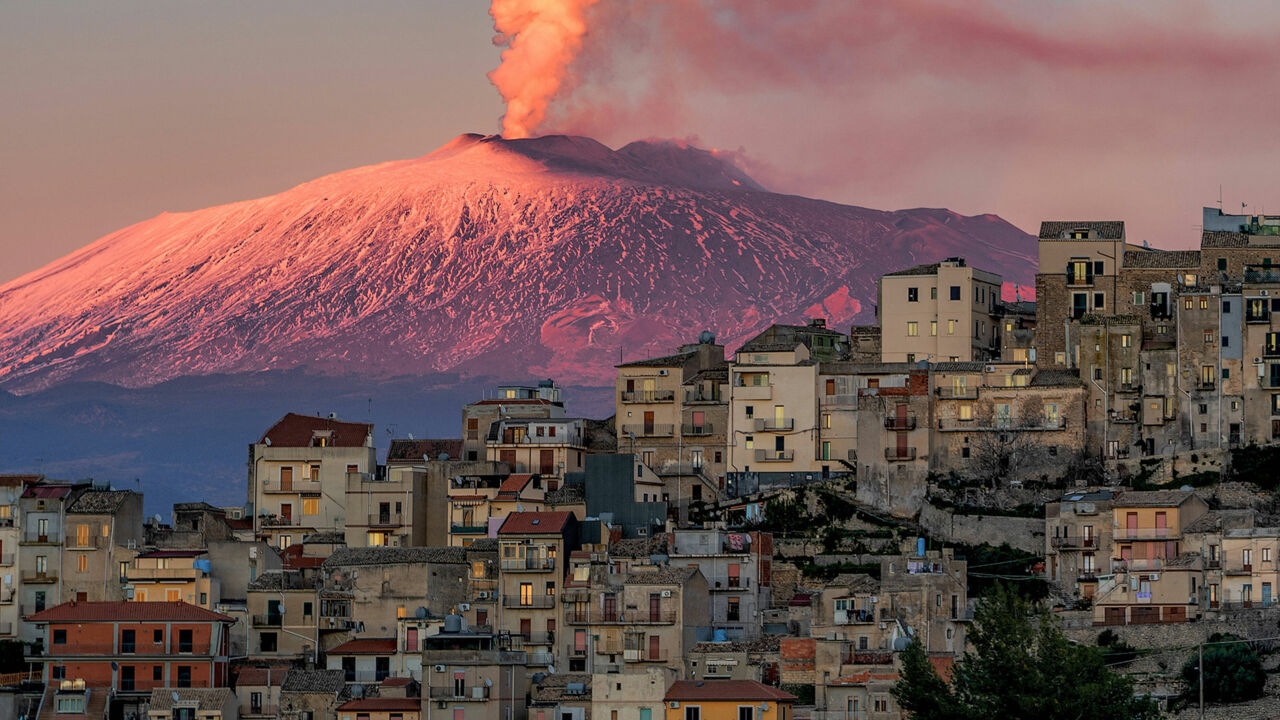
<point>550,256</point>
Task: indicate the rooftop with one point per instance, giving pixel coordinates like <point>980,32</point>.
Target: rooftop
<point>383,704</point>
<point>1061,229</point>
<point>260,676</point>
<point>125,611</point>
<point>357,556</point>
<point>365,646</point>
<point>555,688</point>
<point>294,430</point>
<point>535,523</point>
<point>688,690</point>
<point>313,681</point>
<point>665,575</point>
<point>1162,259</point>
<point>667,361</point>
<point>166,698</point>
<point>415,450</point>
<point>99,502</point>
<point>1153,498</point>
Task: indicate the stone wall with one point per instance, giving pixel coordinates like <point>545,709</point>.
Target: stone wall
<point>1025,534</point>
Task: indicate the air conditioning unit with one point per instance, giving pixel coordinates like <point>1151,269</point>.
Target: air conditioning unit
<point>666,593</point>
<point>1155,577</point>
<point>464,606</point>
<point>1257,361</point>
<point>443,704</point>
<point>663,372</point>
<point>1265,292</point>
<point>674,704</point>
<point>439,668</point>
<point>483,594</point>
<point>989,368</point>
<point>875,599</point>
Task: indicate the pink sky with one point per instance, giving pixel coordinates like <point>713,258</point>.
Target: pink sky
<point>1041,109</point>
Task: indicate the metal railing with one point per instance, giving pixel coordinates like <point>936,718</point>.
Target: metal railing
<point>646,430</point>
<point>597,616</point>
<point>1075,541</point>
<point>464,693</point>
<point>1126,533</point>
<point>269,620</point>
<point>775,455</point>
<point>37,578</point>
<point>6,559</point>
<point>896,454</point>
<point>697,430</point>
<point>774,424</point>
<point>282,522</point>
<point>263,710</point>
<point>529,563</point>
<point>386,519</point>
<point>36,538</point>
<point>1003,424</point>
<point>893,422</point>
<point>842,399</point>
<point>83,542</point>
<point>468,529</point>
<point>646,655</point>
<point>958,393</point>
<point>537,602</point>
<point>648,396</point>
<point>297,487</point>
<point>539,659</point>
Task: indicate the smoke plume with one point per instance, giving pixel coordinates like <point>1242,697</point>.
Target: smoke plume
<point>541,37</point>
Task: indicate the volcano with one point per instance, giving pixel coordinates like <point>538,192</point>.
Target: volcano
<point>553,257</point>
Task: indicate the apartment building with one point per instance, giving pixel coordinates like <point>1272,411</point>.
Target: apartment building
<point>204,703</point>
<point>939,312</point>
<point>282,606</point>
<point>1078,275</point>
<point>381,506</point>
<point>104,533</point>
<point>1154,577</point>
<point>298,475</point>
<point>928,592</point>
<point>42,509</point>
<point>726,700</point>
<point>1248,568</point>
<point>1078,540</point>
<point>472,675</point>
<point>173,575</point>
<point>539,401</point>
<point>738,567</point>
<point>549,447</point>
<point>11,526</point>
<point>772,415</point>
<point>532,548</point>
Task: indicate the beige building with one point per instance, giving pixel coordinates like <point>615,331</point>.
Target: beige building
<point>1249,568</point>
<point>171,575</point>
<point>1078,276</point>
<point>941,312</point>
<point>1077,530</point>
<point>547,447</point>
<point>540,401</point>
<point>283,611</point>
<point>381,507</point>
<point>472,675</point>
<point>104,531</point>
<point>11,526</point>
<point>629,694</point>
<point>532,550</point>
<point>298,475</point>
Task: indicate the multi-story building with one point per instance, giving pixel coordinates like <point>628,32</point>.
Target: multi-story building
<point>549,447</point>
<point>1077,538</point>
<point>381,507</point>
<point>173,575</point>
<point>726,699</point>
<point>311,694</point>
<point>772,415</point>
<point>1153,576</point>
<point>103,534</point>
<point>1078,275</point>
<point>928,593</point>
<point>479,503</point>
<point>471,674</point>
<point>1249,575</point>
<point>126,650</point>
<point>738,567</point>
<point>42,509</point>
<point>11,489</point>
<point>940,312</point>
<point>298,475</point>
<point>204,703</point>
<point>282,606</point>
<point>539,401</point>
<point>532,549</point>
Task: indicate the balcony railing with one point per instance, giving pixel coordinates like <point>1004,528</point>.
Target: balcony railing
<point>1204,384</point>
<point>893,422</point>
<point>1234,569</point>
<point>469,529</point>
<point>6,559</point>
<point>692,430</point>
<point>867,657</point>
<point>899,454</point>
<point>539,659</point>
<point>465,693</point>
<point>1126,533</point>
<point>1075,541</point>
<point>774,424</point>
<point>178,573</point>
<point>646,430</point>
<point>846,399</point>
<point>268,711</point>
<point>86,542</point>
<point>1270,350</point>
<point>596,616</point>
<point>646,655</point>
<point>529,563</point>
<point>1002,424</point>
<point>775,455</point>
<point>386,519</point>
<point>282,522</point>
<point>269,620</point>
<point>958,393</point>
<point>40,578</point>
<point>537,602</point>
<point>539,637</point>
<point>297,487</point>
<point>1075,280</point>
<point>648,396</point>
<point>35,538</point>
<point>854,617</point>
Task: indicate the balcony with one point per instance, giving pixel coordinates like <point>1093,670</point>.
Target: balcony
<point>766,456</point>
<point>463,693</point>
<point>691,430</point>
<point>854,617</point>
<point>386,520</point>
<point>538,638</point>
<point>774,424</point>
<point>1075,542</point>
<point>1147,534</point>
<point>529,564</point>
<point>1204,384</point>
<point>297,487</point>
<point>648,396</point>
<point>469,529</point>
<point>838,399</point>
<point>150,574</point>
<point>753,392</point>
<point>266,711</point>
<point>1271,350</point>
<point>647,430</point>
<point>867,657</point>
<point>958,393</point>
<point>281,522</point>
<point>893,422</point>
<point>596,616</point>
<point>899,454</point>
<point>40,578</point>
<point>647,655</point>
<point>1079,280</point>
<point>269,620</point>
<point>1213,564</point>
<point>701,397</point>
<point>539,659</point>
<point>33,538</point>
<point>537,602</point>
<point>1003,424</point>
<point>1238,570</point>
<point>86,542</point>
<point>6,559</point>
<point>733,584</point>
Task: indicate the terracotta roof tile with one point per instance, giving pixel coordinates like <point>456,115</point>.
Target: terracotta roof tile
<point>415,450</point>
<point>125,611</point>
<point>726,690</point>
<point>1106,229</point>
<point>514,484</point>
<point>294,430</point>
<point>526,523</point>
<point>383,704</point>
<point>365,646</point>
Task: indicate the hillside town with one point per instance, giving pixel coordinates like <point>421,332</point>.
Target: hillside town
<point>756,533</point>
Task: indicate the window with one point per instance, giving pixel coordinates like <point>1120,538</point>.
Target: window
<point>1266,554</point>
<point>951,327</point>
<point>966,411</point>
<point>128,641</point>
<point>267,642</point>
<point>1099,300</point>
<point>1139,298</point>
<point>746,712</point>
<point>184,641</point>
<point>173,595</point>
<point>913,294</point>
<point>955,292</point>
<point>310,506</point>
<point>1126,376</point>
<point>82,563</point>
<point>1126,340</point>
<point>826,420</point>
<point>1226,374</point>
<point>933,328</point>
<point>59,637</point>
<point>913,329</point>
<point>157,673</point>
<point>1222,264</point>
<point>732,611</point>
<point>1187,303</point>
<point>692,712</point>
<point>184,676</point>
<point>157,636</point>
<point>526,593</point>
<point>933,293</point>
<point>1208,336</point>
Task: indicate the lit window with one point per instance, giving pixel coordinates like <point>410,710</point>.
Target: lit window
<point>913,329</point>
<point>933,328</point>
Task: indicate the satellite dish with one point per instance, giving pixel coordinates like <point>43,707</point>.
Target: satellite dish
<point>175,696</point>
<point>421,613</point>
<point>551,669</point>
<point>114,666</point>
<point>157,518</point>
<point>266,441</point>
<point>488,682</point>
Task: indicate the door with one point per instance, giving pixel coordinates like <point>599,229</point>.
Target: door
<point>273,612</point>
<point>1131,525</point>
<point>1266,594</point>
<point>411,639</point>
<point>648,422</point>
<point>779,419</point>
<point>547,462</point>
<point>780,446</point>
<point>699,421</point>
<point>286,512</point>
<point>900,417</point>
<point>508,457</point>
<point>610,606</point>
<point>902,445</point>
<point>526,628</point>
<point>126,678</point>
<point>384,513</point>
<point>655,647</point>
<point>655,607</point>
<point>1162,524</point>
<point>286,479</point>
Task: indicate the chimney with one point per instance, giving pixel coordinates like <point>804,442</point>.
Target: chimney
<point>820,323</point>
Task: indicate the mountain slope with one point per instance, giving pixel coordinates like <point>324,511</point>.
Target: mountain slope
<point>549,256</point>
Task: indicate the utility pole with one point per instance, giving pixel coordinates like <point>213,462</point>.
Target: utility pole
<point>1201,674</point>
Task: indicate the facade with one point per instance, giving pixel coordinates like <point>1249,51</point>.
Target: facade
<point>738,569</point>
<point>941,312</point>
<point>472,675</point>
<point>539,401</point>
<point>282,608</point>
<point>42,509</point>
<point>532,549</point>
<point>1078,540</point>
<point>172,575</point>
<point>548,447</point>
<point>727,700</point>
<point>298,475</point>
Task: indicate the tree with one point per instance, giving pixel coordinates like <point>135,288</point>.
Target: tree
<point>1019,665</point>
<point>1232,671</point>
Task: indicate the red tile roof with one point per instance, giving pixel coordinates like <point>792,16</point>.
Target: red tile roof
<point>726,690</point>
<point>293,558</point>
<point>396,682</point>
<point>294,430</point>
<point>382,704</point>
<point>47,490</point>
<point>16,480</point>
<point>527,523</point>
<point>244,523</point>
<point>433,448</point>
<point>126,611</point>
<point>863,678</point>
<point>514,484</point>
<point>365,646</point>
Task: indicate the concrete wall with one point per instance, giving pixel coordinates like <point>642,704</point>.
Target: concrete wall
<point>1021,533</point>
